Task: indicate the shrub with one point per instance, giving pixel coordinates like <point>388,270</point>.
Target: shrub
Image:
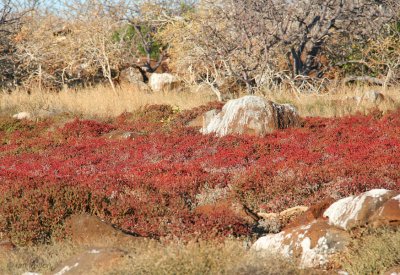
<point>85,128</point>
<point>150,184</point>
<point>374,253</point>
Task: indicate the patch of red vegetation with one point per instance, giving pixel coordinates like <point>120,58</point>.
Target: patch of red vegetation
<point>148,184</point>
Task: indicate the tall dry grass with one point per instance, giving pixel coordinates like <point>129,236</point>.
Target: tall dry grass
<point>374,253</point>
<point>102,101</point>
<point>193,258</point>
<point>338,101</point>
<point>99,101</point>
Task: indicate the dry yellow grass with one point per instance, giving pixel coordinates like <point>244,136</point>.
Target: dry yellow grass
<point>374,253</point>
<point>229,257</point>
<point>102,101</point>
<point>43,258</point>
<point>337,101</point>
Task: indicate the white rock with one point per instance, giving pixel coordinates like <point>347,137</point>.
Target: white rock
<point>353,211</point>
<point>22,115</point>
<point>298,242</point>
<point>251,115</point>
<point>273,243</point>
<point>160,82</point>
<point>66,269</point>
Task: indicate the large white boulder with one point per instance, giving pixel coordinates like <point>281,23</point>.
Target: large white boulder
<point>251,115</point>
<point>354,211</point>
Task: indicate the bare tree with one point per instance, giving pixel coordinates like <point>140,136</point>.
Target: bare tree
<point>11,15</point>
<point>276,39</point>
<point>79,48</point>
<point>146,19</point>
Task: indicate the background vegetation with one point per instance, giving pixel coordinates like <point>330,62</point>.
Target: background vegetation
<point>304,45</point>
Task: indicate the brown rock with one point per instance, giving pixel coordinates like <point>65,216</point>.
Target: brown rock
<point>251,115</point>
<point>314,212</point>
<point>388,214</point>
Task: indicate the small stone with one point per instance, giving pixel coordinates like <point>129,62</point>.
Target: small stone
<point>22,115</point>
<point>163,82</point>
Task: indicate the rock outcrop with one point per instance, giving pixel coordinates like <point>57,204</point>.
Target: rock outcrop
<point>313,243</point>
<point>250,115</point>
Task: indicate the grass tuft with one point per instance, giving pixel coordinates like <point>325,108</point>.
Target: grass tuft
<point>374,253</point>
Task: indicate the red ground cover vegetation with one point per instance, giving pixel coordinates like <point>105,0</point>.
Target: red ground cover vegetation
<point>147,185</point>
